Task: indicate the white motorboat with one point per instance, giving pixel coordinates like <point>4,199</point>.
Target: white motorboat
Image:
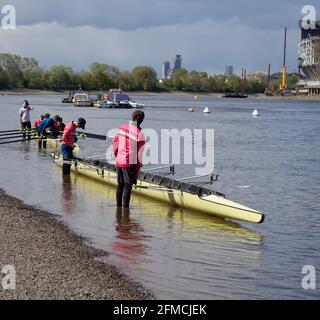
<point>81,99</point>
<point>115,98</point>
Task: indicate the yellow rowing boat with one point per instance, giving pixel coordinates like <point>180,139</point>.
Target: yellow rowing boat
<point>56,144</point>
<point>171,191</point>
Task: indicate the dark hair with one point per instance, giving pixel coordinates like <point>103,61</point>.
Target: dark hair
<point>138,116</point>
<point>47,115</point>
<point>56,118</point>
<point>42,117</point>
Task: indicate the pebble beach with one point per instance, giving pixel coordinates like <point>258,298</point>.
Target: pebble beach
<point>52,262</point>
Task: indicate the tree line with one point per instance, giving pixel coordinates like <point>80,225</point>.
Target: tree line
<point>22,72</point>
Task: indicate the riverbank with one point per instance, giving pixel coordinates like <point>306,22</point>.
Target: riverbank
<point>52,262</point>
<point>33,92</point>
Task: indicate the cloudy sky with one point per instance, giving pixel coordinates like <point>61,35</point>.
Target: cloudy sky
<point>209,34</point>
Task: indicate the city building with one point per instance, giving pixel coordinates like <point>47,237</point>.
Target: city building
<point>177,63</point>
<point>309,59</point>
<point>166,70</point>
<point>228,71</point>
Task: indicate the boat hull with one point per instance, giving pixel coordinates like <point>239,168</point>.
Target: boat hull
<point>56,144</point>
<point>83,103</point>
<point>211,204</point>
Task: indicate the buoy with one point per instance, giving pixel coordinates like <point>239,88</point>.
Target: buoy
<point>196,97</point>
<point>206,110</point>
<point>255,113</point>
<point>191,109</point>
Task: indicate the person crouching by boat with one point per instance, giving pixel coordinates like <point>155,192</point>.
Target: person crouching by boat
<point>128,146</point>
<point>58,125</point>
<point>68,142</point>
<point>46,126</point>
<point>37,122</point>
<point>25,122</point>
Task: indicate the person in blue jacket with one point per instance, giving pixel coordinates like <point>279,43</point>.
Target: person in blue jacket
<point>46,125</point>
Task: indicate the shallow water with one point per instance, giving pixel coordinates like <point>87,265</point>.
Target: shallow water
<point>270,163</point>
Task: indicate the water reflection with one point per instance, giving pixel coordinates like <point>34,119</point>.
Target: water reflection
<point>158,244</point>
<point>129,234</point>
<point>67,197</point>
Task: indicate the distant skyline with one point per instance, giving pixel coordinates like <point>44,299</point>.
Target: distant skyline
<point>207,33</point>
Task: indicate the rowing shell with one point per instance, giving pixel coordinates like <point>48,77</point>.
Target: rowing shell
<point>56,144</point>
<point>171,191</point>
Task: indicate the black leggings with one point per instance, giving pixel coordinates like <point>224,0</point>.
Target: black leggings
<point>123,195</point>
<point>26,127</point>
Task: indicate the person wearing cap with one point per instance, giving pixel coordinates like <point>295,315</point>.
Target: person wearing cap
<point>25,122</point>
<point>128,145</point>
<point>68,141</point>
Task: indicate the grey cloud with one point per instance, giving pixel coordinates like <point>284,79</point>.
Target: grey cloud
<point>205,45</point>
<point>134,14</point>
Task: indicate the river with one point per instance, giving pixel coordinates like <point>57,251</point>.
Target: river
<point>270,163</point>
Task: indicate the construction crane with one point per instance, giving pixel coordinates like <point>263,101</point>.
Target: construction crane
<point>283,84</point>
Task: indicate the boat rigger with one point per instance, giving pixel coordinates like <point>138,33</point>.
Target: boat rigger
<point>163,188</point>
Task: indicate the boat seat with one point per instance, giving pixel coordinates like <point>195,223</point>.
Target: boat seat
<point>157,179</point>
<point>175,184</point>
<point>166,182</point>
<point>142,175</point>
<point>149,177</point>
<point>184,187</point>
<point>205,192</point>
<point>194,189</point>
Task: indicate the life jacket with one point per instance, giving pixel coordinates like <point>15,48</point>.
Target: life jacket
<point>128,145</point>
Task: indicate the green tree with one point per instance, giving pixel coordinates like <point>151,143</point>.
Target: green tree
<point>145,78</point>
<point>233,84</point>
<point>217,83</point>
<point>11,64</point>
<point>125,80</point>
<point>3,79</point>
<point>84,78</point>
<point>60,77</point>
<point>104,76</point>
<point>255,86</point>
<point>178,79</point>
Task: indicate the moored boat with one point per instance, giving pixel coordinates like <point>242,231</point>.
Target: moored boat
<point>81,99</point>
<point>116,99</point>
<point>235,95</point>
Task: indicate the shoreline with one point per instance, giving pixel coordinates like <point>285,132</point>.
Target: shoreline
<point>54,263</point>
<point>34,92</point>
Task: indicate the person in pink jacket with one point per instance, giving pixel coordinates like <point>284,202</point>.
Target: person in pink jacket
<point>128,146</point>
